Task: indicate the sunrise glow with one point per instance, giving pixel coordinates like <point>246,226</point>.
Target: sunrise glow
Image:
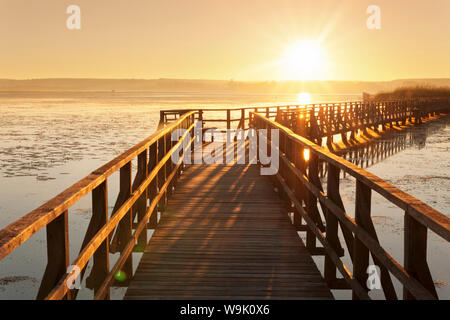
<point>303,60</point>
<point>304,98</point>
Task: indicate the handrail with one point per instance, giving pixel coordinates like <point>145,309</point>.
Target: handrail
<point>86,253</point>
<point>340,117</point>
<point>298,181</point>
<point>19,231</point>
<point>153,184</point>
<point>433,219</point>
<point>53,214</point>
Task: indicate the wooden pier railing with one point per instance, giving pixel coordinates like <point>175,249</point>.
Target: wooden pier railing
<point>323,120</point>
<point>124,229</point>
<point>138,201</point>
<point>298,183</point>
<point>327,120</point>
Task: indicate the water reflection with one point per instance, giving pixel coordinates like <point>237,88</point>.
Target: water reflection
<point>368,154</point>
<point>376,150</point>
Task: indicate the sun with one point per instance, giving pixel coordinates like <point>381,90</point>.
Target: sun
<point>304,98</point>
<point>303,60</point>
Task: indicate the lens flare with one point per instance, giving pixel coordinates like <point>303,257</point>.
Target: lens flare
<point>120,276</point>
<point>306,154</point>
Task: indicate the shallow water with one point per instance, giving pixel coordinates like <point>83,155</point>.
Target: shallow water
<point>49,142</point>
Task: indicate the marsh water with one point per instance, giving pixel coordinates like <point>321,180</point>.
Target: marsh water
<point>50,141</point>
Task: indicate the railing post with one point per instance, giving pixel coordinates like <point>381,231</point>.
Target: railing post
<point>311,207</point>
<point>257,126</point>
<point>332,224</point>
<point>242,121</point>
<point>228,119</point>
<point>162,119</point>
<point>100,268</point>
<point>290,179</point>
<point>169,165</point>
<point>360,252</point>
<point>152,161</point>
<point>299,188</point>
<point>57,255</point>
<point>125,227</point>
<point>415,255</point>
<point>141,203</point>
<point>162,174</point>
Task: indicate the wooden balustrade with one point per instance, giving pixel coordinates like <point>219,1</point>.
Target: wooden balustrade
<point>341,118</point>
<point>124,229</point>
<point>298,183</point>
<point>323,119</point>
<point>136,201</point>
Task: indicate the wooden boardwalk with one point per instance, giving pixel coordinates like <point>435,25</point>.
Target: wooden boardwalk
<point>225,235</point>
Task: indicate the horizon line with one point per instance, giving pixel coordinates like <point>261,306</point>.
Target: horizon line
<point>218,80</point>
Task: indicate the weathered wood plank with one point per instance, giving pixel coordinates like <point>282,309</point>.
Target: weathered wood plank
<point>226,236</point>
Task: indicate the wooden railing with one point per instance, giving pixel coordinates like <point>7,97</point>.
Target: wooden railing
<point>124,230</point>
<point>299,185</point>
<point>135,209</point>
<point>327,120</point>
<point>229,118</point>
<point>322,119</point>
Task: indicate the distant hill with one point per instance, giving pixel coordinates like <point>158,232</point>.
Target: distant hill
<point>216,86</point>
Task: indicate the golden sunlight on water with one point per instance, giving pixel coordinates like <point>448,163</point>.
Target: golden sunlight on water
<point>304,98</point>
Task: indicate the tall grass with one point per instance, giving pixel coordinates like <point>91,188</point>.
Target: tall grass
<point>411,93</point>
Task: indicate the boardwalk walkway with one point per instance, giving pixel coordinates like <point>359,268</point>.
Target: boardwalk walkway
<point>226,235</point>
<point>225,232</point>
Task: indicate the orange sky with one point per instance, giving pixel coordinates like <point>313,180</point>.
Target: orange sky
<point>226,39</point>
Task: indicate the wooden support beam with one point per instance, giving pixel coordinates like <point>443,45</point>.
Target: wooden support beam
<point>332,224</point>
<point>360,252</point>
<point>152,192</point>
<point>125,227</point>
<point>100,267</point>
<point>57,255</point>
<point>141,204</point>
<point>162,174</point>
<point>415,255</point>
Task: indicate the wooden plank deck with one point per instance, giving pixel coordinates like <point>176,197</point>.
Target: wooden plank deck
<point>225,235</point>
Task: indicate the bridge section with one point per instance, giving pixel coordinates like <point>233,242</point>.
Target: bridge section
<point>225,235</point>
<point>220,222</point>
